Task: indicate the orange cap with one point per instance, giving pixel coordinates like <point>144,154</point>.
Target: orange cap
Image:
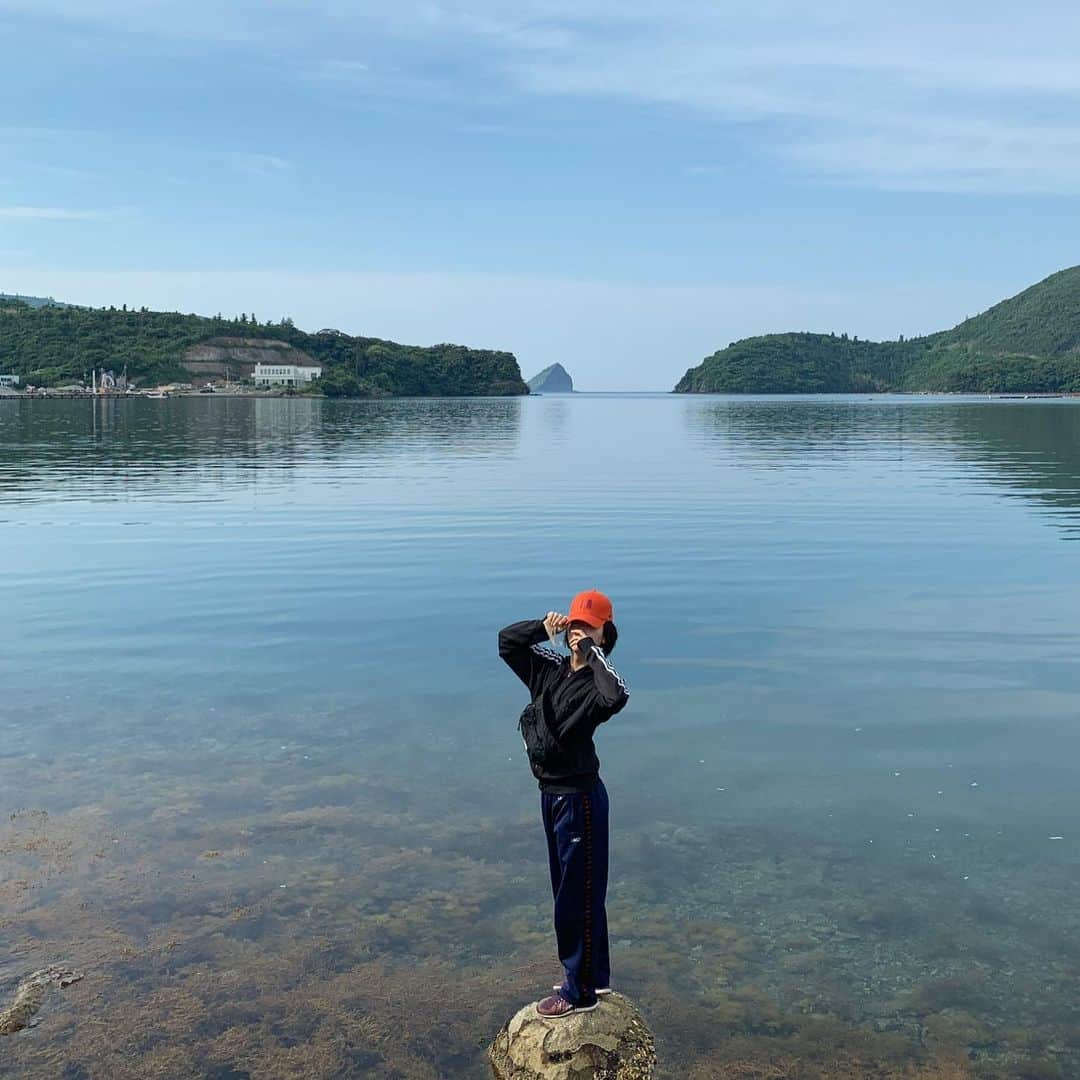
<point>591,607</point>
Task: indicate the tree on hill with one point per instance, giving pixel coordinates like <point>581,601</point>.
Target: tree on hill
<point>1027,344</point>
<point>52,345</point>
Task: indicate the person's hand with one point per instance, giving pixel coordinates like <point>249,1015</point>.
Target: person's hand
<point>554,623</point>
<point>582,643</point>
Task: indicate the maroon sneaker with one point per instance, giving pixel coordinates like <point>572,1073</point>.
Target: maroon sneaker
<point>556,1005</point>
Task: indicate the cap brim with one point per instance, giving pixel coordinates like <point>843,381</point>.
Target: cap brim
<point>589,618</point>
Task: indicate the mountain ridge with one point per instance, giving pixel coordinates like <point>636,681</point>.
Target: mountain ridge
<point>52,344</point>
<point>1028,343</point>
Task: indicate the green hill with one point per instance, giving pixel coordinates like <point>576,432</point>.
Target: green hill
<point>1027,344</point>
<point>50,345</point>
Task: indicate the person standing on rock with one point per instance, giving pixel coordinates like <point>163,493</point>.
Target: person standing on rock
<point>570,697</point>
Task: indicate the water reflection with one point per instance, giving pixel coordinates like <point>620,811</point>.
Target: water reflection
<point>1032,447</point>
<point>555,415</point>
<point>117,448</point>
<point>263,781</point>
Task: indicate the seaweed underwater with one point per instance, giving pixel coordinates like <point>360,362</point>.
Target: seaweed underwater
<point>288,914</point>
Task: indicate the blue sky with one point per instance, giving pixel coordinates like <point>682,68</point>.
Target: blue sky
<point>620,186</point>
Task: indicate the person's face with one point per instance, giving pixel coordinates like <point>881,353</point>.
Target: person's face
<point>577,629</point>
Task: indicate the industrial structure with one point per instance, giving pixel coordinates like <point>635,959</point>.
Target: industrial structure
<point>285,374</point>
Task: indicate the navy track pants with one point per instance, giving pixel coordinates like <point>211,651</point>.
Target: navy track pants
<point>577,838</point>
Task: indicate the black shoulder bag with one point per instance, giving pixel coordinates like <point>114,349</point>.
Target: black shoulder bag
<point>537,727</point>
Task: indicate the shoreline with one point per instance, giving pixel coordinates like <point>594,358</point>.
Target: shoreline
<point>72,395</point>
<point>80,396</point>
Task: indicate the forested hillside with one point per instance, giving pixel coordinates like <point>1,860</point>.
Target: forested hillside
<point>49,345</point>
<point>1027,344</point>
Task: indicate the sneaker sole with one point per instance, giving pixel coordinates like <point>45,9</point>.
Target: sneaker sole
<point>569,1012</point>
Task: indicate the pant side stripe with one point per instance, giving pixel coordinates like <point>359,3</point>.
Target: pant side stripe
<point>587,982</point>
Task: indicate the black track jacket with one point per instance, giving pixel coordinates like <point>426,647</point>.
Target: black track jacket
<point>580,700</point>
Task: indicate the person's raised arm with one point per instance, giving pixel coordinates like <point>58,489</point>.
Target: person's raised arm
<point>519,646</point>
<point>611,691</point>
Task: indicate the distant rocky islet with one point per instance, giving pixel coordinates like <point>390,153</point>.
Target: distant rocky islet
<point>554,379</point>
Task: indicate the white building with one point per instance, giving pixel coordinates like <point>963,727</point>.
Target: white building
<point>9,380</point>
<point>285,374</point>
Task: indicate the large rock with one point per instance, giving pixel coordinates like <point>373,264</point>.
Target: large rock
<point>610,1043</point>
<point>554,379</point>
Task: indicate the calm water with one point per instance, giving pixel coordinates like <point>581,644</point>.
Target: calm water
<point>262,782</point>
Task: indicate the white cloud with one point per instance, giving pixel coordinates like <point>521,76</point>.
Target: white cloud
<point>965,96</point>
<point>259,164</point>
<point>387,81</point>
<point>47,213</point>
<point>958,97</point>
<point>67,172</point>
<point>343,72</point>
<point>188,19</point>
<point>944,99</point>
<point>952,157</point>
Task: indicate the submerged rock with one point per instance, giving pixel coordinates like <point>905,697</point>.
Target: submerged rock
<point>610,1043</point>
<point>30,994</point>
